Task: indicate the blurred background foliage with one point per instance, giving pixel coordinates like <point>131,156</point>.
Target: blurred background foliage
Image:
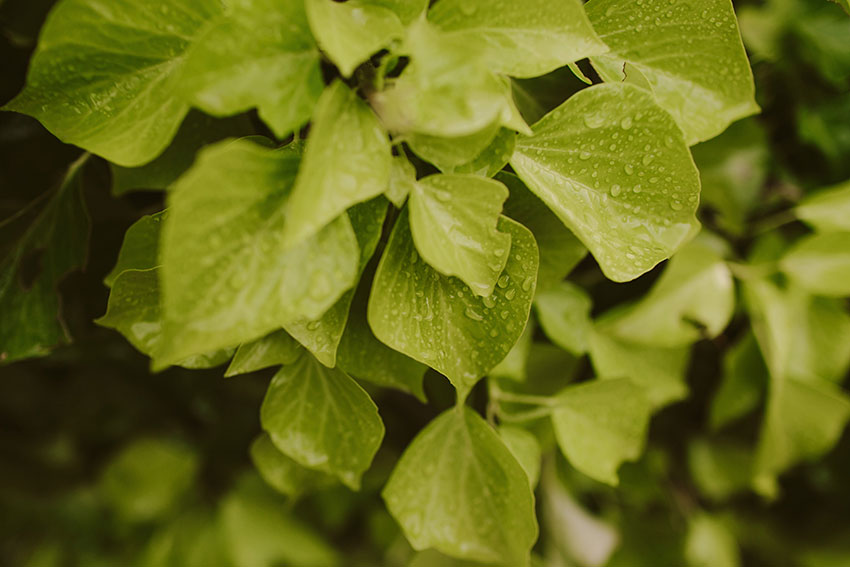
<point>104,463</point>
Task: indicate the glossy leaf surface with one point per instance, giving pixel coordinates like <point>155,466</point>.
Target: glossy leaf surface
<point>453,221</point>
<point>614,167</point>
<point>689,53</point>
<point>438,320</point>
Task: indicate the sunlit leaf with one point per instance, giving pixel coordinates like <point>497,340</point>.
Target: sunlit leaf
<point>521,39</point>
<point>690,52</point>
<point>453,221</point>
<point>347,160</point>
<point>614,167</point>
<point>228,277</point>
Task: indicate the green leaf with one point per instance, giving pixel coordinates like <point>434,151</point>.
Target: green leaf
<point>521,39</point>
<point>191,539</point>
<point>601,424</point>
<point>260,532</point>
<point>564,314</point>
<point>322,419</point>
<point>228,277</point>
<point>364,357</point>
<point>134,310</point>
<point>140,246</point>
<point>350,32</point>
<point>513,366</point>
<point>197,131</point>
<point>453,221</point>
<point>493,158</point>
<point>275,349</point>
<point>457,488</point>
<point>56,238</point>
<point>827,210</point>
<point>659,370</point>
<point>742,385</point>
<point>321,336</point>
<point>693,299</point>
<point>402,179</point>
<point>107,78</point>
<point>733,168</point>
<point>720,469</point>
<point>524,447</point>
<point>448,153</point>
<point>820,264</point>
<point>438,320</point>
<point>282,473</point>
<point>800,336</point>
<point>347,160</point>
<point>260,54</point>
<point>446,90</point>
<point>560,250</point>
<point>690,53</point>
<point>803,420</point>
<point>614,167</point>
<point>845,4</point>
<point>148,478</point>
<point>709,543</point>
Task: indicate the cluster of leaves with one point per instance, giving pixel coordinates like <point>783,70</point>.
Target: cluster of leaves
<point>353,194</point>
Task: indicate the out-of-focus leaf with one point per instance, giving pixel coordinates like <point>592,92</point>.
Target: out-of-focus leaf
<point>564,315</point>
<point>709,543</point>
<point>259,54</point>
<point>525,448</point>
<point>56,242</point>
<point>743,384</point>
<point>733,169</point>
<point>282,473</point>
<point>827,210</point>
<point>107,79</point>
<point>820,264</point>
<point>521,39</point>
<point>196,131</point>
<point>659,370</point>
<point>601,424</point>
<point>560,250</point>
<point>148,478</point>
<point>258,531</point>
<point>693,299</point>
<point>800,335</point>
